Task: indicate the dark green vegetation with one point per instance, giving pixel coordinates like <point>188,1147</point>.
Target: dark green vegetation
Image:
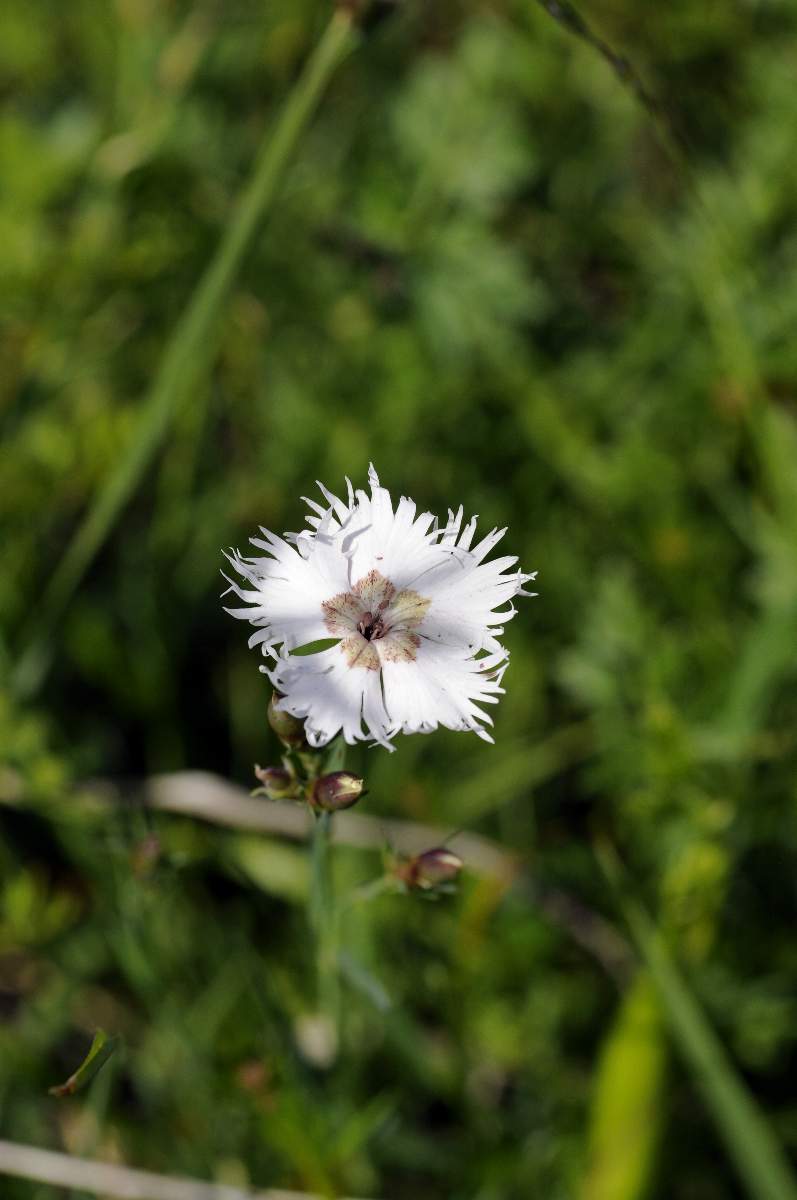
<point>492,271</point>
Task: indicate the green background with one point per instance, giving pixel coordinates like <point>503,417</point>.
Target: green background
<point>502,272</point>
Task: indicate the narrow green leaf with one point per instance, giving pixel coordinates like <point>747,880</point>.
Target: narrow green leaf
<point>190,350</point>
<point>743,1127</point>
<point>102,1048</point>
<point>627,1105</point>
<point>315,647</point>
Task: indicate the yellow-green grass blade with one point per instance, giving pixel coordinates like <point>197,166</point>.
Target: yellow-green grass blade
<point>751,1145</point>
<point>626,1114</point>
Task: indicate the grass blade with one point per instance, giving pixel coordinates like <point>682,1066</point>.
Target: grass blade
<point>101,1050</point>
<point>627,1111</point>
<point>190,350</point>
<point>751,1144</point>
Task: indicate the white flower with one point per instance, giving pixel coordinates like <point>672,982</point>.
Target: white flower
<point>414,610</point>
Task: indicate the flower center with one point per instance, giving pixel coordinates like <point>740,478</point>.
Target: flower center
<point>371,627</point>
<point>374,612</point>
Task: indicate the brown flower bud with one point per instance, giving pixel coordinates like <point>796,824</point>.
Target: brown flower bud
<point>276,782</point>
<point>431,869</point>
<point>339,789</point>
<point>289,729</point>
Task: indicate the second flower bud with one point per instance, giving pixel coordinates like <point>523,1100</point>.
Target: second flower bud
<point>333,792</point>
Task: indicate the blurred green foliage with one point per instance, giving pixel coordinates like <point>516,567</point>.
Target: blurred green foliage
<point>488,272</point>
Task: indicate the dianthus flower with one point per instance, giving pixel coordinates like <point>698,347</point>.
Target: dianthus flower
<point>414,611</point>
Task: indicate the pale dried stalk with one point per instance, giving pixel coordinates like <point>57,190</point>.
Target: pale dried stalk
<point>211,798</point>
<point>118,1182</point>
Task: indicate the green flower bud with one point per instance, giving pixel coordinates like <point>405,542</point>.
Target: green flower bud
<point>432,868</point>
<point>289,729</point>
<point>335,791</point>
<point>276,783</point>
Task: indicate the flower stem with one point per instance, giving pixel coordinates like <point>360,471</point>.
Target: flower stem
<point>323,919</point>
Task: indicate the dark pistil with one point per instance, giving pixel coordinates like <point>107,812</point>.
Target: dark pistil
<point>371,627</point>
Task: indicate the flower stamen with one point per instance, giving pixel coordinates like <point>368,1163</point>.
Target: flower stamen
<point>371,627</point>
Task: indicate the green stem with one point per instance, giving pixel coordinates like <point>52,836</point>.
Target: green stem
<point>323,918</point>
<point>751,1144</point>
<point>372,890</point>
<point>190,350</point>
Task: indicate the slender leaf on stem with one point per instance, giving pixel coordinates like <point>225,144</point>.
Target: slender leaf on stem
<point>101,1050</point>
<point>190,350</point>
<point>749,1140</point>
